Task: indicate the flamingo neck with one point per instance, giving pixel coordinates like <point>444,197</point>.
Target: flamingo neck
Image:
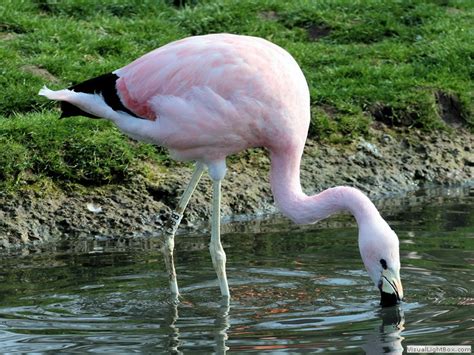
<point>304,209</point>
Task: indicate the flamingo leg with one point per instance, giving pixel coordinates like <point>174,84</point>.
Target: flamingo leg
<point>172,227</point>
<point>217,251</point>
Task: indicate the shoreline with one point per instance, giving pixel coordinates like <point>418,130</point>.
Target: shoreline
<point>392,162</point>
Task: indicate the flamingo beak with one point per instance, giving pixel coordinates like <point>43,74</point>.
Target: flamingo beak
<point>391,290</point>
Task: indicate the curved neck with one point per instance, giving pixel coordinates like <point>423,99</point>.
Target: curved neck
<point>303,209</point>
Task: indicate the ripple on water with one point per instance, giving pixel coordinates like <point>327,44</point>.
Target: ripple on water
<point>309,292</point>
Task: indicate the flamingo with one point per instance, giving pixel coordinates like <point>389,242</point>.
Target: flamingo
<point>207,97</point>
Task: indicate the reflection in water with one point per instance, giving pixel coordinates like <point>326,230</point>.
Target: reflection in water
<point>386,338</point>
<point>222,325</point>
<point>171,319</point>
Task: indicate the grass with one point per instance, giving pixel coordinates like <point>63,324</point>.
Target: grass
<point>83,151</point>
<point>364,61</point>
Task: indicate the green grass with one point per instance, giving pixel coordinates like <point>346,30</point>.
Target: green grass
<point>358,57</point>
<point>89,152</point>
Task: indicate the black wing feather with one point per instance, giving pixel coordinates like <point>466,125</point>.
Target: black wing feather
<point>105,85</point>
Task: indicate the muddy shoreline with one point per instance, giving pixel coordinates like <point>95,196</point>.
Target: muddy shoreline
<point>391,162</point>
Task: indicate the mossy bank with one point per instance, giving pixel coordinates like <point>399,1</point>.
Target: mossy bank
<point>391,95</point>
<point>387,165</point>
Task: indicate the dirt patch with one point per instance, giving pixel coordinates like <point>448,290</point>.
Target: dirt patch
<point>8,36</point>
<point>317,31</point>
<point>392,162</point>
<point>391,116</point>
<point>41,72</point>
<point>450,109</point>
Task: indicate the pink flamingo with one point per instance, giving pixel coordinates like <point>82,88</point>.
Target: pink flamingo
<point>206,97</point>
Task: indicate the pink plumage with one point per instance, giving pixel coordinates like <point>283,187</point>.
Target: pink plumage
<point>216,95</point>
<point>207,97</point>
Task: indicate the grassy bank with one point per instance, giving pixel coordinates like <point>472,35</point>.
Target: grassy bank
<point>404,63</point>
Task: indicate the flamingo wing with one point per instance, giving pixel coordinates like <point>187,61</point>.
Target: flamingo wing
<point>105,85</point>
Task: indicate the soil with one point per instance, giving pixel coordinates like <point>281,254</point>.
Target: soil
<point>392,162</point>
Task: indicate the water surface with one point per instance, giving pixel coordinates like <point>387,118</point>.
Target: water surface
<point>294,289</point>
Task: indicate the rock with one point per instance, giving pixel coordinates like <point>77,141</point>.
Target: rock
<point>387,139</point>
<point>369,148</point>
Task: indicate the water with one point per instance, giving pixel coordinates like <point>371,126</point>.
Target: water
<point>295,289</point>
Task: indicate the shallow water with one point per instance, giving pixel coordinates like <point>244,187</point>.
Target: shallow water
<point>295,289</point>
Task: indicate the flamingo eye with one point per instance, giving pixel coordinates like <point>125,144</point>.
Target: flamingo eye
<point>383,263</point>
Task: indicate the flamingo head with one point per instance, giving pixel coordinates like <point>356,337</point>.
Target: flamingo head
<point>378,245</point>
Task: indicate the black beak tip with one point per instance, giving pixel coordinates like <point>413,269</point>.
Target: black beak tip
<point>388,299</point>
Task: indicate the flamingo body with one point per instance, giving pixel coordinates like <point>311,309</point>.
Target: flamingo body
<point>207,97</point>
<point>247,92</point>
